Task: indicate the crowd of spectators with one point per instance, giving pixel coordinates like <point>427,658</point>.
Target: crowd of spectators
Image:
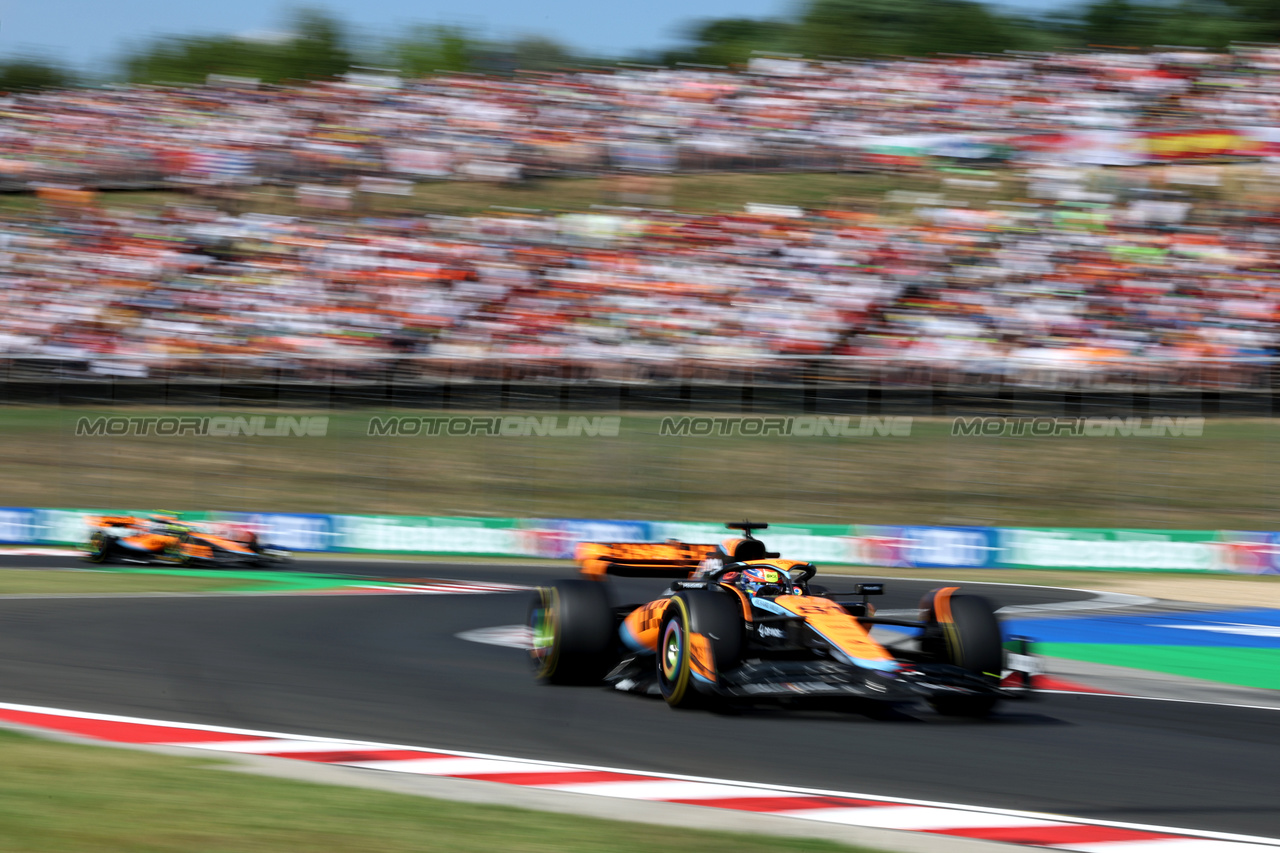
<point>1014,292</point>
<point>781,113</point>
<point>1026,293</point>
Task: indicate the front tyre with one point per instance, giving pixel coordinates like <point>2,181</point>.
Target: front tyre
<point>970,639</point>
<point>574,638</point>
<point>700,630</point>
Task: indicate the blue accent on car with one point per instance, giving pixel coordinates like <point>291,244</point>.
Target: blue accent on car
<point>630,641</point>
<point>772,607</point>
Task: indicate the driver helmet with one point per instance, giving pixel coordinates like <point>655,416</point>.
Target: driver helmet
<point>763,580</point>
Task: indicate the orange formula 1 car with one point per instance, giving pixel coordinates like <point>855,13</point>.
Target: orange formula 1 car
<point>164,540</point>
<point>740,624</point>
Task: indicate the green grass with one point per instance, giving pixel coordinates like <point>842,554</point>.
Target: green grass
<point>713,192</point>
<point>1227,479</point>
<point>1243,666</point>
<point>709,192</point>
<point>47,581</point>
<point>689,192</point>
<point>57,797</point>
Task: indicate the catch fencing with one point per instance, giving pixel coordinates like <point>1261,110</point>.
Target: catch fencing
<point>1245,385</point>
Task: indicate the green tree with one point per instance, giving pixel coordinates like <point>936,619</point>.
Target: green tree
<point>732,41</point>
<point>192,59</point>
<point>957,26</point>
<point>318,50</point>
<point>1126,23</point>
<point>912,27</point>
<point>1259,18</point>
<point>22,74</point>
<point>314,47</point>
<point>1202,23</point>
<point>1118,22</point>
<point>427,49</point>
<point>539,53</point>
<point>857,27</point>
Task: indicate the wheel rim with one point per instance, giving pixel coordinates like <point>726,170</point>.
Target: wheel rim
<point>543,619</point>
<point>672,650</point>
<point>542,628</point>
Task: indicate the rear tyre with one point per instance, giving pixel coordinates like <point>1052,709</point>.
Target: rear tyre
<point>717,620</point>
<point>574,635</point>
<point>971,640</point>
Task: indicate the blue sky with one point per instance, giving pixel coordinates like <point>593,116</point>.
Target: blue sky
<point>88,34</point>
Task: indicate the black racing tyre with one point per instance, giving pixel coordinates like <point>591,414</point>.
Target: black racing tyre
<point>718,618</point>
<point>971,640</point>
<point>99,547</point>
<point>574,633</point>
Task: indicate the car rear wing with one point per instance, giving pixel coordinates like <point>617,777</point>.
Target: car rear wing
<point>669,559</point>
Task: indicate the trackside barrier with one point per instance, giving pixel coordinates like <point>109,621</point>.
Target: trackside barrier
<point>1249,552</point>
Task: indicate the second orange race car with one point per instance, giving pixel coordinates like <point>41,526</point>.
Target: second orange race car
<point>166,540</point>
<point>740,624</point>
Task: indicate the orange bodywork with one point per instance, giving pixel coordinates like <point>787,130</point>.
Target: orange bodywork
<point>115,521</point>
<point>835,624</point>
<point>224,543</point>
<point>640,631</point>
<point>640,628</point>
<point>194,550</point>
<point>700,657</point>
<point>151,541</point>
<point>780,565</point>
<point>730,545</point>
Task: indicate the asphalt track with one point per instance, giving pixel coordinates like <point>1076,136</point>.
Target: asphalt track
<point>390,668</point>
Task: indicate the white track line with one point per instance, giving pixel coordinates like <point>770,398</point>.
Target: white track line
<point>1164,699</point>
<point>963,812</point>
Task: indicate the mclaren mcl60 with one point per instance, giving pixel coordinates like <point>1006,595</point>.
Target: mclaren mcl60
<point>738,624</point>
